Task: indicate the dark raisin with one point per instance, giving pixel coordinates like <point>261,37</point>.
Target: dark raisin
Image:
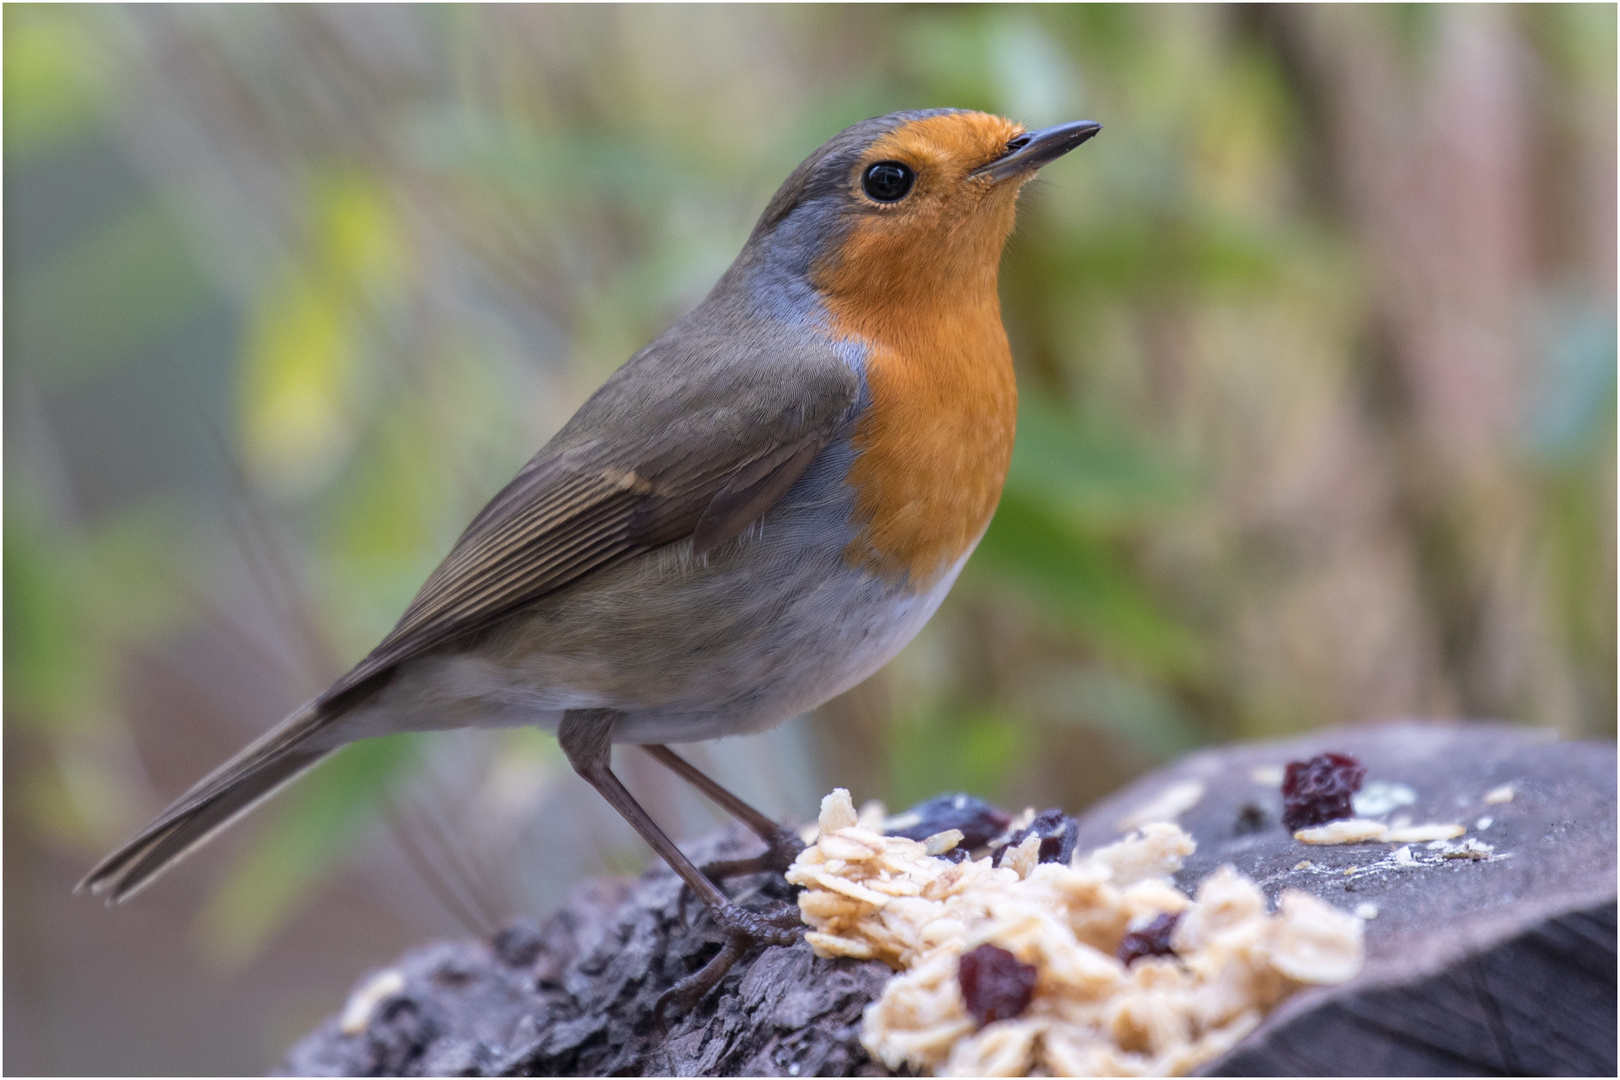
<point>1251,818</point>
<point>979,821</point>
<point>1057,831</point>
<point>1152,940</point>
<point>1319,790</point>
<point>996,985</point>
<point>955,855</point>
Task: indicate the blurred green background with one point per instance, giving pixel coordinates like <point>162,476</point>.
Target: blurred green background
<point>1316,351</point>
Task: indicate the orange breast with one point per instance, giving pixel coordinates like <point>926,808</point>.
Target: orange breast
<point>934,444</point>
<point>917,286</point>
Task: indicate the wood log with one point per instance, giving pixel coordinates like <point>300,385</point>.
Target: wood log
<point>574,996</point>
<point>1502,964</point>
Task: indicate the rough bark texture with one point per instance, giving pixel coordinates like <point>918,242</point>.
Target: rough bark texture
<point>574,997</point>
<point>1499,966</point>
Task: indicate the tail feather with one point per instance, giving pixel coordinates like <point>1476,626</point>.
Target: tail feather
<point>253,775</point>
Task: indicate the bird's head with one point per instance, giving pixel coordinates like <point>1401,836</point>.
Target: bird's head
<point>909,205</point>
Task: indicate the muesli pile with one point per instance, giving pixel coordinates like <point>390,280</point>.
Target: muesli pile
<point>1096,965</point>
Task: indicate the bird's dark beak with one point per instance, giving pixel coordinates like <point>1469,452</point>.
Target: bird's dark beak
<point>1033,149</point>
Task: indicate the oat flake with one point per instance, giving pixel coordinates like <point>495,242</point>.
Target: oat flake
<point>1090,1014</point>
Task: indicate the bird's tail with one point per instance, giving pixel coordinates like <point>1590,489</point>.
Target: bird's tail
<point>253,775</point>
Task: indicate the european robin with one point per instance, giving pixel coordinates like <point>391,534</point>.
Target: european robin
<point>749,517</point>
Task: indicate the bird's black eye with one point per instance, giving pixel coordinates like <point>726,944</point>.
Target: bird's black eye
<point>888,181</point>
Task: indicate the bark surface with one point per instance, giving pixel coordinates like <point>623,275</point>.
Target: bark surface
<point>1494,966</point>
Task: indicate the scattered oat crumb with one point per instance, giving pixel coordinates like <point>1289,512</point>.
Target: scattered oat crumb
<point>1025,857</point>
<point>1503,794</point>
<point>1304,864</point>
<point>1314,942</point>
<point>872,815</point>
<point>1380,797</point>
<point>1484,823</point>
<point>364,1001</point>
<point>1468,849</point>
<point>1153,852</point>
<point>1403,856</point>
<point>837,812</point>
<point>1438,845</point>
<point>941,842</point>
<point>1366,912</point>
<point>1167,805</point>
<point>873,896</point>
<point>1267,775</point>
<point>1419,834</point>
<point>1017,824</point>
<point>1346,831</point>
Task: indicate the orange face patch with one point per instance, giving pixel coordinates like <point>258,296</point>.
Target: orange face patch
<point>916,283</point>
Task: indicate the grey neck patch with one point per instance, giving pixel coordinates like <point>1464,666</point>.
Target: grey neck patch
<point>811,198</point>
<point>807,217</point>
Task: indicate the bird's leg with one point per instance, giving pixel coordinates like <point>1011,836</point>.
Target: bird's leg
<point>782,845</point>
<point>586,737</point>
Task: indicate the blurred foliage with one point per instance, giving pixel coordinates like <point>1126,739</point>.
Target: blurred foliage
<point>386,252</point>
<point>54,79</point>
<point>257,893</point>
<point>73,598</point>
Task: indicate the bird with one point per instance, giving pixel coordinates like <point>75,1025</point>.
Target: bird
<point>749,517</point>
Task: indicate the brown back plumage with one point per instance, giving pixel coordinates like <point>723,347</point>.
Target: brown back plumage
<point>696,437</point>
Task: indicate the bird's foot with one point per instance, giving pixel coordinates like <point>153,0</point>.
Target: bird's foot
<point>780,851</point>
<point>742,929</point>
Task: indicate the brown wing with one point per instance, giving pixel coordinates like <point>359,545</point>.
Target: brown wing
<point>706,474</point>
<point>714,456</point>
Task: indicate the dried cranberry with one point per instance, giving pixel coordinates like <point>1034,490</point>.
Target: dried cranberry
<point>1152,940</point>
<point>1058,833</point>
<point>996,985</point>
<point>1319,790</point>
<point>979,821</point>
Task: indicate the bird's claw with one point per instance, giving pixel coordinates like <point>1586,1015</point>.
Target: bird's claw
<point>779,854</point>
<point>742,930</point>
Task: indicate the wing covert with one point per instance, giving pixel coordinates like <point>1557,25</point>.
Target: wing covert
<point>704,462</point>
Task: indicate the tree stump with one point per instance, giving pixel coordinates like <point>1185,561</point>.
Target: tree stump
<point>1475,966</point>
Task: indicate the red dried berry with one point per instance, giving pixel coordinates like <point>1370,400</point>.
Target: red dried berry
<point>1319,790</point>
<point>1152,940</point>
<point>996,985</point>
